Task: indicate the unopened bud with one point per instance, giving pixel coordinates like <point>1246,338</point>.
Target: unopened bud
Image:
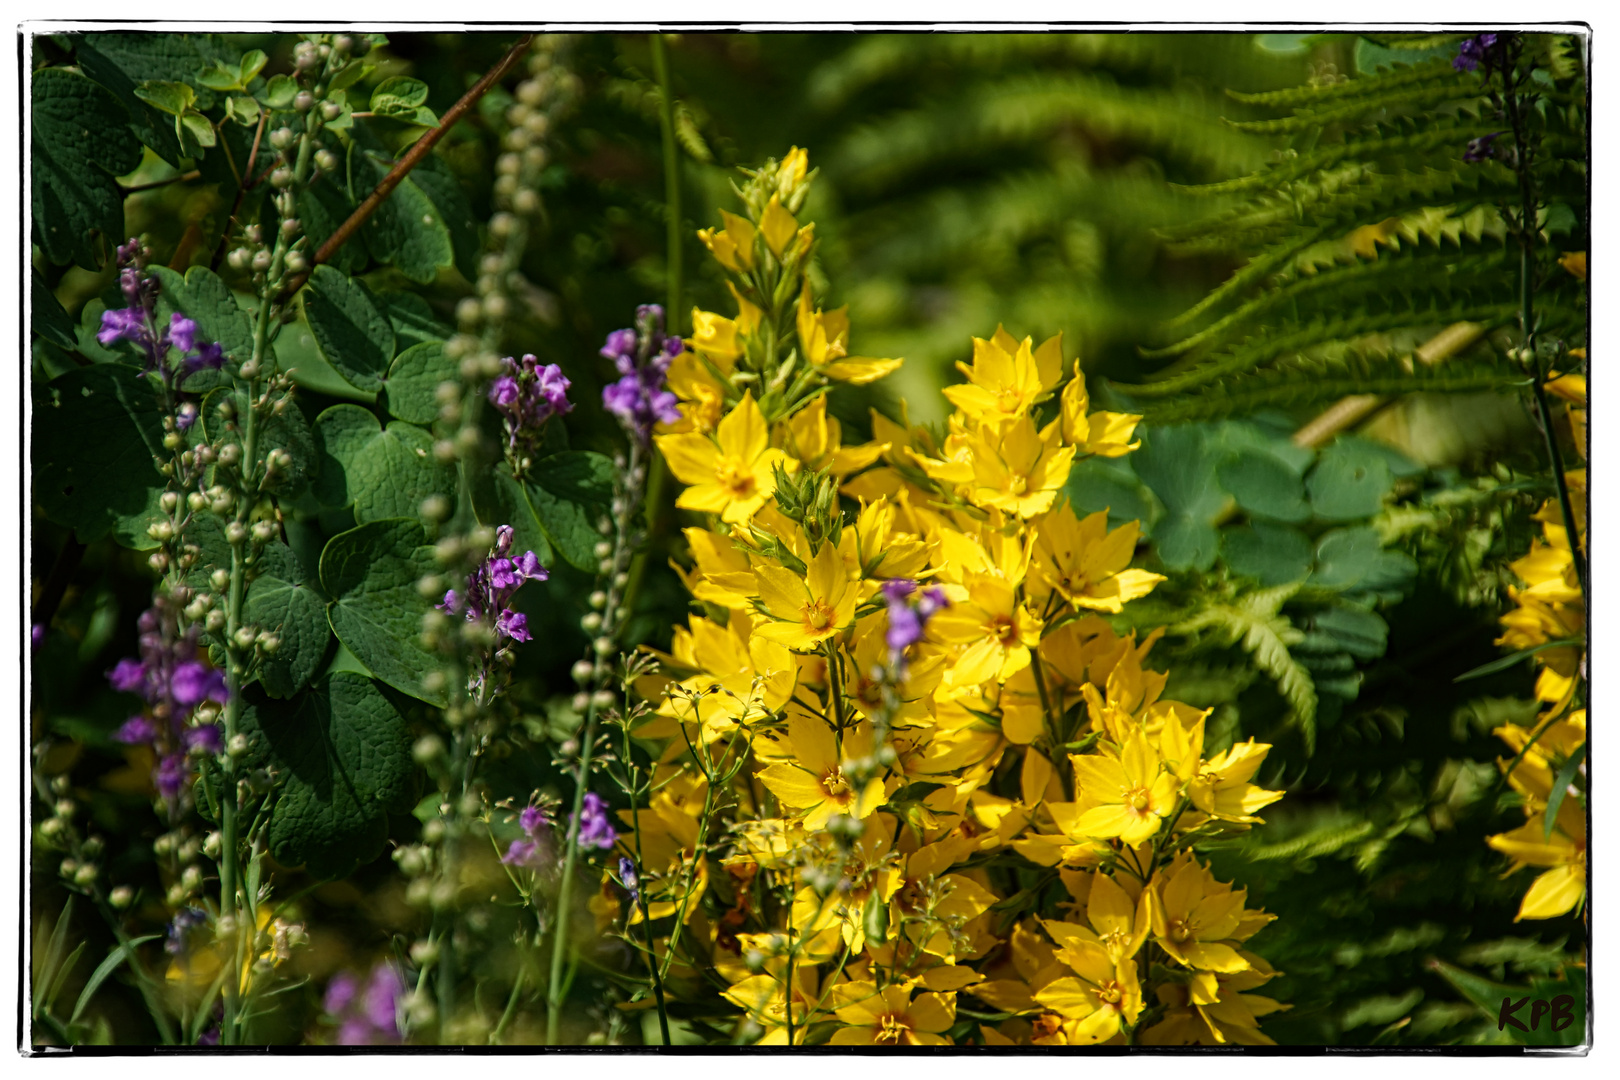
<point>603,699</point>
<point>591,622</point>
<point>210,845</point>
<point>121,897</point>
<point>236,533</point>
<point>85,875</point>
<point>427,748</point>
<point>304,101</point>
<point>326,161</point>
<point>238,746</point>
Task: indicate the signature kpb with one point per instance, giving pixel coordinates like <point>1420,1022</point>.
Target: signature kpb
<point>1560,1008</point>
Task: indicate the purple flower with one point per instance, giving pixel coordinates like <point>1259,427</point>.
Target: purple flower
<point>594,828</point>
<point>340,992</point>
<point>629,879</point>
<point>534,850</point>
<point>642,357</point>
<point>180,927</point>
<point>907,618</point>
<point>490,587</point>
<point>209,738</point>
<point>366,1015</point>
<point>527,394</point>
<point>193,681</point>
<point>137,729</point>
<point>533,819</point>
<point>1480,149</point>
<point>514,625</point>
<point>121,324</point>
<point>1475,51</point>
<point>170,775</point>
<point>128,675</point>
<point>36,634</point>
<point>523,853</point>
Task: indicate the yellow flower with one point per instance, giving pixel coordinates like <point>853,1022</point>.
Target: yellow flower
<point>702,397</point>
<point>816,441</point>
<point>810,609</point>
<point>1104,434</point>
<point>1118,924</point>
<point>719,339</point>
<point>777,226</point>
<point>891,1017</point>
<point>764,998</point>
<point>733,246</point>
<point>824,337</point>
<point>813,781</point>
<point>1017,469</point>
<point>730,474</point>
<point>1127,798</point>
<point>1101,996</point>
<point>997,628</point>
<point>1232,1018</point>
<point>1007,377</point>
<point>722,575</point>
<point>1557,891</point>
<point>1193,914</point>
<point>1086,564</point>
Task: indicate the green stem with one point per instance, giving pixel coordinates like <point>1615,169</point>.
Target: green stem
<point>641,890</point>
<point>560,947</point>
<point>511,1009</point>
<point>672,184</point>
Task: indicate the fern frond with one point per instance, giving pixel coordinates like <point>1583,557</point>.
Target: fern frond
<point>1303,387</point>
<point>1421,97</point>
<point>1416,272</point>
<point>1414,76</point>
<point>1314,844</point>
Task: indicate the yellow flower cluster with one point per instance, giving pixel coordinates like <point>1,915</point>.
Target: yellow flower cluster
<point>1551,608</point>
<point>976,830</point>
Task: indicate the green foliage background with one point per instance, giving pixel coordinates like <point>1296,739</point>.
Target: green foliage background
<point>1321,599</point>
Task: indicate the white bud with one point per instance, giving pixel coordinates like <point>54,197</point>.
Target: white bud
<point>584,671</point>
<point>235,533</point>
<point>121,897</point>
<point>591,622</point>
<point>603,699</point>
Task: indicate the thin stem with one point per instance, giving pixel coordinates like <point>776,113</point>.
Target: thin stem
<point>672,183</point>
<point>419,150</point>
<point>641,890</point>
<point>511,1008</point>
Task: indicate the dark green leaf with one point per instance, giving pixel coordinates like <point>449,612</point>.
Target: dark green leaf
<point>449,199</point>
<point>1271,554</point>
<point>401,94</point>
<point>371,574</point>
<point>1185,543</point>
<point>119,69</point>
<point>50,320</point>
<point>173,98</point>
<point>342,754</point>
<point>280,91</point>
<point>353,336</point>
<point>1353,560</point>
<point>205,299</point>
<point>322,207</point>
<point>1560,789</point>
<point>570,493</point>
<point>414,321</point>
<point>498,499</point>
<point>96,431</point>
<point>1265,487</point>
<point>407,230</point>
<point>1357,631</point>
<point>1349,482</point>
<point>119,954</point>
<point>1505,662</point>
<point>282,601</point>
<point>414,380</point>
<point>1109,484</point>
<point>386,472</point>
<point>81,141</point>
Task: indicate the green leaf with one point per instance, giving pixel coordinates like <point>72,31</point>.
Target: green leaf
<point>1265,487</point>
<point>1353,560</point>
<point>280,91</point>
<point>176,99</point>
<point>353,336</point>
<point>50,320</point>
<point>403,98</point>
<point>1109,484</point>
<point>342,754</point>
<point>413,382</point>
<point>1349,482</point>
<point>407,230</point>
<point>498,499</point>
<point>119,954</point>
<point>1185,543</point>
<point>349,74</point>
<point>449,198</point>
<point>1489,995</point>
<point>1560,789</point>
<point>1505,662</point>
<point>1179,465</point>
<point>81,141</point>
<point>371,574</point>
<point>570,492</point>
<point>243,110</point>
<point>384,472</point>
<point>121,61</point>
<point>1271,554</point>
<point>283,601</point>
<point>221,78</point>
<point>414,321</point>
<point>1357,631</point>
<point>323,207</point>
<point>96,431</point>
<point>252,63</point>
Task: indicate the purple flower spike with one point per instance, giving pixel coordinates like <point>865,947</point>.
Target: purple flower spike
<point>630,879</point>
<point>1474,52</point>
<point>527,394</point>
<point>135,730</point>
<point>595,830</point>
<point>193,682</point>
<point>908,616</point>
<point>128,675</point>
<point>642,357</point>
<point>515,625</point>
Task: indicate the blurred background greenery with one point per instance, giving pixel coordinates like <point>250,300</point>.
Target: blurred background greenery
<point>968,180</point>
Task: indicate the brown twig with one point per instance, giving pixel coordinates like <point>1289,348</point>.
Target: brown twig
<point>241,190</point>
<point>420,149</point>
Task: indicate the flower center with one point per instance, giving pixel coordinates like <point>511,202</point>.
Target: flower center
<point>1137,799</point>
<point>816,615</point>
<point>1003,629</point>
<point>739,481</point>
<point>835,785</point>
<point>892,1028</point>
<point>1180,929</point>
<point>1017,484</point>
<point>1110,993</point>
